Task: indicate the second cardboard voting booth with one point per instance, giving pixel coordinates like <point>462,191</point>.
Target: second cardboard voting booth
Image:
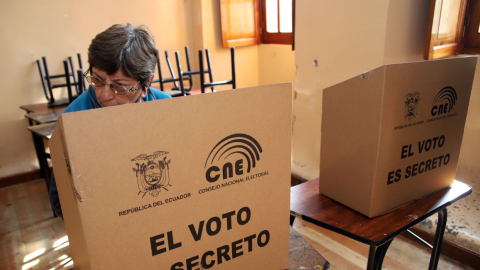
<point>185,183</point>
<point>393,134</point>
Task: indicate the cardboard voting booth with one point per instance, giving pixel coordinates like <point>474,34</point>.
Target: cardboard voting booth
<point>195,182</point>
<point>393,134</point>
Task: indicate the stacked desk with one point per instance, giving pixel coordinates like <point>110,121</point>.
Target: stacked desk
<point>42,120</point>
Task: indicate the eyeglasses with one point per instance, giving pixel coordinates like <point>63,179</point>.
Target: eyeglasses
<point>118,89</point>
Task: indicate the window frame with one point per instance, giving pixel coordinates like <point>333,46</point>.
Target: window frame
<point>463,48</point>
<point>455,47</point>
<point>276,38</point>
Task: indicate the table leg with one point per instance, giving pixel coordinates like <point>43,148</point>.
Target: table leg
<point>371,257</point>
<point>40,151</point>
<point>437,244</point>
<point>292,219</point>
<point>376,256</point>
<point>42,160</point>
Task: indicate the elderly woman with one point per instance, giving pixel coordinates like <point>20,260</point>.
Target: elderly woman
<point>122,64</point>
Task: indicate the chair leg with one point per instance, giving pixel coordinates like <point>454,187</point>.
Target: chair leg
<point>202,78</point>
<point>47,77</point>
<point>232,55</point>
<point>67,78</point>
<point>187,54</point>
<point>207,53</point>
<point>81,82</point>
<point>171,69</point>
<point>160,79</point>
<point>180,73</point>
<point>73,75</point>
<point>42,79</point>
<point>79,61</point>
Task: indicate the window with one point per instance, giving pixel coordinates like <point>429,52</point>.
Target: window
<point>247,22</point>
<point>240,22</point>
<point>277,21</point>
<point>471,38</point>
<point>453,28</point>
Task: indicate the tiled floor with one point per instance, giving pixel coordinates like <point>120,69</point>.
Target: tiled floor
<point>345,253</point>
<point>463,221</point>
<point>30,238</point>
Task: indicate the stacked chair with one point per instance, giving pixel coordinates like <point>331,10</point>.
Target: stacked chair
<point>175,91</point>
<point>76,81</point>
<point>70,81</point>
<point>211,84</point>
<point>179,88</point>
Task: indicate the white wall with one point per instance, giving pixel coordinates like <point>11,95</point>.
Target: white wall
<point>276,64</point>
<point>344,38</point>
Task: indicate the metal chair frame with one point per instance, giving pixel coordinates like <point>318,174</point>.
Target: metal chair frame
<point>48,87</point>
<point>189,72</point>
<point>175,91</point>
<point>203,84</point>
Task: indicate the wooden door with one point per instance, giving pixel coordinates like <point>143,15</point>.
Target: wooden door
<point>445,27</point>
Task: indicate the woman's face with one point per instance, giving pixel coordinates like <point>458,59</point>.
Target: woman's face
<point>106,97</point>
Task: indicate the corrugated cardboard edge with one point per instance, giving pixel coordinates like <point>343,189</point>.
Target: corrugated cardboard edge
<point>331,106</point>
<point>68,199</point>
<point>370,213</point>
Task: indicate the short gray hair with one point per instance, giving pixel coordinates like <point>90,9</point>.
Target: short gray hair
<point>126,48</point>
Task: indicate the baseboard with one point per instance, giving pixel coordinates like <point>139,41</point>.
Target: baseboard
<point>19,178</point>
<point>449,249</point>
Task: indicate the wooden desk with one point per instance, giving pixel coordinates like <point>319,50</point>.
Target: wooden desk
<point>306,203</point>
<point>40,107</point>
<point>39,133</point>
<point>44,117</point>
<point>44,131</point>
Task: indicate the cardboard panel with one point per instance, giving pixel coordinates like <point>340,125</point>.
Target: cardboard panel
<point>416,132</point>
<point>351,114</point>
<point>173,183</point>
<point>405,144</point>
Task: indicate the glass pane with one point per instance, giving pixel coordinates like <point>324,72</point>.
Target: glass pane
<point>285,16</point>
<point>479,28</point>
<point>271,7</point>
<point>447,27</point>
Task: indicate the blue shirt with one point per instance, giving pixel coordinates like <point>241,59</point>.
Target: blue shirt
<point>81,103</point>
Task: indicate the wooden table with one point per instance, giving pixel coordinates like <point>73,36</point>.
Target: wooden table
<point>306,203</point>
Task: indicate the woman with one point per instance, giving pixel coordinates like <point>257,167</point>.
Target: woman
<point>122,65</point>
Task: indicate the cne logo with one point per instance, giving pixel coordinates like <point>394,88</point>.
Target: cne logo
<point>444,101</point>
<point>152,173</point>
<point>230,156</point>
